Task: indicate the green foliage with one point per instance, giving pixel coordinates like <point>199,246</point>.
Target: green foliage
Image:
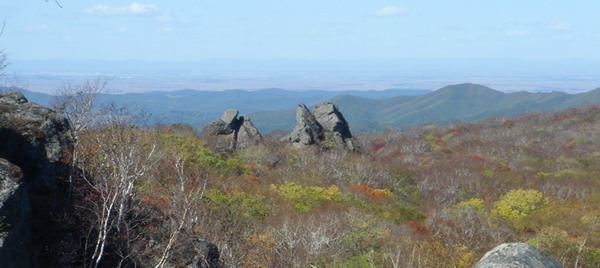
<point>571,173</point>
<point>398,212</point>
<point>371,258</point>
<point>474,205</point>
<point>584,162</point>
<point>405,190</point>
<point>518,204</point>
<point>556,242</point>
<point>488,173</point>
<point>194,152</point>
<point>434,143</point>
<point>401,213</point>
<point>532,160</point>
<point>305,198</point>
<point>328,141</point>
<point>240,204</point>
<point>591,256</point>
<point>365,233</point>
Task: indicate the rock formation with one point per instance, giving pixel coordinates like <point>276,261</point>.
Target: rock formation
<point>325,126</point>
<point>247,134</point>
<point>307,130</point>
<point>34,152</point>
<point>517,255</point>
<point>230,132</point>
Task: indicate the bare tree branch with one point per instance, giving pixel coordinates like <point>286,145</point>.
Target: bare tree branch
<point>57,3</point>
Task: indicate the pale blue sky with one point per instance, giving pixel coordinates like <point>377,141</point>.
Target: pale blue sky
<point>188,30</point>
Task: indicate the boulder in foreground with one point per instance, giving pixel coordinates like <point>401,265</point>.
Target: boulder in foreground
<point>517,255</point>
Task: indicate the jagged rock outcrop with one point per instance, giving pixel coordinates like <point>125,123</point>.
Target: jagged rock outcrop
<point>307,130</point>
<point>34,152</point>
<point>325,126</point>
<point>228,124</point>
<point>230,132</point>
<point>517,255</point>
<point>248,134</point>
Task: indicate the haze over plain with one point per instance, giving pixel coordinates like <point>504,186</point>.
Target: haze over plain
<point>331,45</point>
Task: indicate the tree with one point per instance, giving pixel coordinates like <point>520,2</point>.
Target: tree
<point>185,196</point>
<point>57,3</point>
<point>113,156</point>
<point>3,58</point>
<point>77,103</point>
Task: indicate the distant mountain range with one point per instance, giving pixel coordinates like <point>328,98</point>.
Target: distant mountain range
<point>198,108</point>
<point>463,102</point>
<point>366,111</point>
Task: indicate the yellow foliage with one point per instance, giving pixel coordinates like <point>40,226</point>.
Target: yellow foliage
<point>518,204</point>
<point>471,205</point>
<point>467,257</point>
<point>304,198</point>
<point>260,248</point>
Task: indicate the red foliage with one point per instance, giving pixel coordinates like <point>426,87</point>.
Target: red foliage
<point>368,190</point>
<point>502,168</point>
<point>376,147</point>
<point>508,123</point>
<point>419,229</point>
<point>253,179</point>
<point>476,158</point>
<point>561,116</point>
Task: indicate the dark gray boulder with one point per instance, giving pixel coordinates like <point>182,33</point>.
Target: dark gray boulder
<point>15,217</point>
<point>325,126</point>
<point>307,131</point>
<point>230,132</point>
<point>329,116</point>
<point>337,131</point>
<point>517,255</point>
<point>35,150</point>
<point>247,134</point>
<point>228,124</point>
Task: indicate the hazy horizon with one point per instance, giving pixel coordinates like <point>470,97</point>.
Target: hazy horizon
<point>333,45</point>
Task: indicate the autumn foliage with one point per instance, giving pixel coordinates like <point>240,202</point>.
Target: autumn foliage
<point>422,196</point>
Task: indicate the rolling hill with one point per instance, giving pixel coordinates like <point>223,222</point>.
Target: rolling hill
<point>198,108</point>
<point>366,111</point>
<point>463,102</point>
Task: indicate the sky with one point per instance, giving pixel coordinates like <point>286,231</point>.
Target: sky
<point>191,30</point>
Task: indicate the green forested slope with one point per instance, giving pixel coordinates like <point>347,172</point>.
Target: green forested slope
<point>463,102</point>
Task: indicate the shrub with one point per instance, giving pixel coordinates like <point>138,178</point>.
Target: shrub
<point>469,206</point>
<point>194,152</point>
<point>305,198</point>
<point>519,204</point>
<point>372,191</point>
<point>239,204</point>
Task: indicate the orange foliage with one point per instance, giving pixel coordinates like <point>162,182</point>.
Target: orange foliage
<point>368,190</point>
